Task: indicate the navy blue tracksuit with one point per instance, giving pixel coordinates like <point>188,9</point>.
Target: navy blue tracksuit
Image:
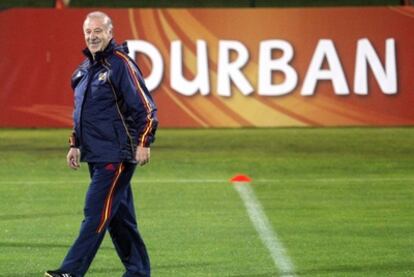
<point>110,182</point>
<point>114,113</point>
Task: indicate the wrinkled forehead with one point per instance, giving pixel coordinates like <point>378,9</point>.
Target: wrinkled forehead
<point>95,22</point>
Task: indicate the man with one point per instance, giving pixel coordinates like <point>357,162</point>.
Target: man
<point>114,124</point>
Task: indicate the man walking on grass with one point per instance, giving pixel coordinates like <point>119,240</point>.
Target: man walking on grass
<point>114,124</point>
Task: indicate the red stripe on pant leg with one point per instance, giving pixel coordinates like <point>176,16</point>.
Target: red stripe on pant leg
<point>106,212</point>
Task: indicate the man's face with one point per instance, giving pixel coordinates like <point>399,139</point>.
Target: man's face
<point>97,34</point>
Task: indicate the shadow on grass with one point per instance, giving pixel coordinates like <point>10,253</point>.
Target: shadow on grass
<point>369,268</point>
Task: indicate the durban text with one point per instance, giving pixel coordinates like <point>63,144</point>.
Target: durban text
<point>324,65</point>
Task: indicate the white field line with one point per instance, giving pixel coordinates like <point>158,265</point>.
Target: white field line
<point>265,230</point>
<point>217,181</point>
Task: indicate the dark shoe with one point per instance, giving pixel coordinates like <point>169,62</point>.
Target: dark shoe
<point>57,273</point>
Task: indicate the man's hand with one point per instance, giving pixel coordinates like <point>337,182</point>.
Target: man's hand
<point>73,158</point>
<point>142,155</point>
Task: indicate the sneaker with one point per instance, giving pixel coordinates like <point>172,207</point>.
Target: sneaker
<point>57,273</point>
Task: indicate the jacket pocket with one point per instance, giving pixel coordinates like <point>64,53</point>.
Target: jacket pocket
<point>120,133</point>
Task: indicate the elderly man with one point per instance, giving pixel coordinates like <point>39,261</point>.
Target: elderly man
<point>114,124</point>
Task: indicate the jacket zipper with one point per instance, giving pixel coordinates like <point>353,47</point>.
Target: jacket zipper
<point>118,109</point>
<point>87,91</point>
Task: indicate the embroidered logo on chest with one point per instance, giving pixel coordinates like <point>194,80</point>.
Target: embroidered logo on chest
<point>102,76</point>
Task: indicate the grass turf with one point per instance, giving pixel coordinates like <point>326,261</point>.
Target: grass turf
<point>340,199</point>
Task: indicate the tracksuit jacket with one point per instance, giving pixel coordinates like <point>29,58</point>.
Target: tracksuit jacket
<point>114,111</point>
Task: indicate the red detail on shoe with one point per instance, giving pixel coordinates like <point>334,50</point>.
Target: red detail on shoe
<point>241,179</point>
<point>110,167</point>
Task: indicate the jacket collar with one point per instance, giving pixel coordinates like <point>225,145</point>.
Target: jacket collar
<point>110,48</point>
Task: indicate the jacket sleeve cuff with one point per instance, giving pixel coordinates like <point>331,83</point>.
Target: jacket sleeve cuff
<point>146,145</point>
<point>147,137</point>
<point>146,141</point>
<point>73,141</point>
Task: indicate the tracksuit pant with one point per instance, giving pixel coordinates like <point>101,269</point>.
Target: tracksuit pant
<point>109,206</point>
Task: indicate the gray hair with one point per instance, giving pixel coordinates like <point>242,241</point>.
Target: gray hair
<point>101,15</point>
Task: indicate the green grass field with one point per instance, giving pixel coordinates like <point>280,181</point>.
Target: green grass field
<point>341,200</point>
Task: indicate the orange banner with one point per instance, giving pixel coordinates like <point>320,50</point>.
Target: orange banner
<point>223,67</point>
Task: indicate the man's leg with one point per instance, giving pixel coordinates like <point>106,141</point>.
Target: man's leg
<point>126,238</point>
<point>99,204</point>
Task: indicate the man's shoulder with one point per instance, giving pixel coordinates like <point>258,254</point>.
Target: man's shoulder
<point>119,57</point>
<point>120,61</point>
<point>84,64</point>
<point>120,52</point>
<point>79,72</point>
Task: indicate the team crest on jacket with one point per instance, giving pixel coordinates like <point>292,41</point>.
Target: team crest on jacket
<point>102,76</point>
<point>79,74</point>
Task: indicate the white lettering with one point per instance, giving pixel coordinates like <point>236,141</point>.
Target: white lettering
<point>267,66</point>
<point>233,56</point>
<point>366,55</point>
<point>335,73</point>
<point>228,71</point>
<point>201,81</point>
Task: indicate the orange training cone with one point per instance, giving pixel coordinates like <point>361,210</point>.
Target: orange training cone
<point>241,178</point>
